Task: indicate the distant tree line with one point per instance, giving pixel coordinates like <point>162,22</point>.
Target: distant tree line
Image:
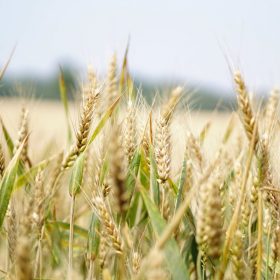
<point>48,88</point>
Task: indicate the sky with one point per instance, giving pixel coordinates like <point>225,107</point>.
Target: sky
<point>194,41</point>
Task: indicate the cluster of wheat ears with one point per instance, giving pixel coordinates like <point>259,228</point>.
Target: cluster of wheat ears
<point>110,205</point>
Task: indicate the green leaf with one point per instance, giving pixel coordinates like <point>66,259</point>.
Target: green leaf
<point>93,237</point>
<point>172,185</point>
<point>7,183</point>
<point>204,132</point>
<point>64,100</point>
<point>30,174</point>
<point>53,238</point>
<point>130,187</point>
<point>190,248</point>
<point>181,184</point>
<point>77,175</point>
<point>132,172</point>
<point>103,121</point>
<point>66,227</point>
<point>173,258</point>
<point>144,171</point>
<point>8,138</point>
<point>132,211</point>
<point>153,178</point>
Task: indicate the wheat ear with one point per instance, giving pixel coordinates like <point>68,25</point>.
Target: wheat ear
<point>83,131</point>
<point>245,108</point>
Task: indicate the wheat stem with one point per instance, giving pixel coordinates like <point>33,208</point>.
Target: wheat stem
<point>71,237</point>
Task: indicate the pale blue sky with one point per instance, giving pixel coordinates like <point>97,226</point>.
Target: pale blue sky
<point>171,39</point>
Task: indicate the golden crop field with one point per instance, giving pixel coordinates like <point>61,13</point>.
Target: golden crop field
<point>115,188</point>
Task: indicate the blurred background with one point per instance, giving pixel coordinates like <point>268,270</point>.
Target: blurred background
<point>192,43</point>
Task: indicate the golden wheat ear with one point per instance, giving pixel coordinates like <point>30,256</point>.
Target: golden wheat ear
<point>118,169</point>
<point>80,144</point>
<point>23,260</point>
<point>271,110</point>
<point>210,221</point>
<point>109,225</point>
<point>12,230</point>
<point>23,137</point>
<point>130,131</point>
<point>244,105</point>
<point>111,83</point>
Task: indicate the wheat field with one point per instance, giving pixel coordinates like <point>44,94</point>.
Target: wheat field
<point>115,188</point>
